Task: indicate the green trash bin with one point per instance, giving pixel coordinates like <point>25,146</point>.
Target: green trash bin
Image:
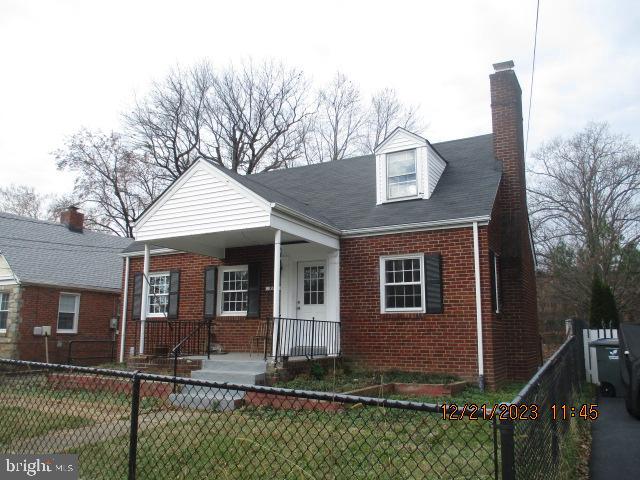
<point>608,355</point>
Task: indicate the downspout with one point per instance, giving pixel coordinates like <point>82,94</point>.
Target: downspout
<point>125,292</point>
<point>476,264</point>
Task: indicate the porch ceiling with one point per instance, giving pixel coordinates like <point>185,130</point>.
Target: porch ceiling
<point>214,244</point>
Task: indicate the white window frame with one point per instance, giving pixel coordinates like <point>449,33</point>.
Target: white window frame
<point>220,302</point>
<point>383,284</point>
<point>76,314</point>
<point>417,173</point>
<point>5,294</point>
<point>158,314</point>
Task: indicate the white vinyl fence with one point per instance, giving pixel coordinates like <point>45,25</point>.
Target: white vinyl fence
<point>590,360</point>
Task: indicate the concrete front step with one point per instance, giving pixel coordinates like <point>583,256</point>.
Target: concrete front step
<point>221,369</point>
<point>219,400</point>
<point>231,364</point>
<point>221,376</point>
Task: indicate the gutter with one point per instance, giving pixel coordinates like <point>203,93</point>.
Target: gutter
<point>306,218</point>
<point>476,265</point>
<point>436,224</point>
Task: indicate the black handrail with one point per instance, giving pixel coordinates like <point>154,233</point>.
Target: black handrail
<point>175,351</point>
<point>297,337</point>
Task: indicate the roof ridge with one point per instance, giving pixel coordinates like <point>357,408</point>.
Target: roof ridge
<point>22,218</point>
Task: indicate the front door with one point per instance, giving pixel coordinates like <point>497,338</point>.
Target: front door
<point>311,290</point>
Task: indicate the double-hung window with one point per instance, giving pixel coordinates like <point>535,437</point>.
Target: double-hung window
<point>4,311</point>
<point>158,294</point>
<point>402,178</point>
<point>402,286</point>
<point>234,290</point>
<point>68,311</point>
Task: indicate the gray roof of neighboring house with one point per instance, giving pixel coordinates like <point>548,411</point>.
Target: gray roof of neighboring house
<point>49,253</point>
<point>343,193</point>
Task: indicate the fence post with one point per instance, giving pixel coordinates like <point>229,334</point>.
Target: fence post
<point>133,433</point>
<point>507,447</point>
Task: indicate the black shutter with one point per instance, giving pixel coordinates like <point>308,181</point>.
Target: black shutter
<point>492,268</point>
<point>253,302</point>
<point>174,289</point>
<point>137,296</point>
<point>433,285</point>
<point>210,276</point>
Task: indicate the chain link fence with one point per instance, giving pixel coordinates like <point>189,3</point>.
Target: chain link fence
<point>134,425</point>
<point>533,435</point>
<point>131,425</point>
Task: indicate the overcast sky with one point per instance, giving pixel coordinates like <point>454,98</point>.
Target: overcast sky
<point>68,64</point>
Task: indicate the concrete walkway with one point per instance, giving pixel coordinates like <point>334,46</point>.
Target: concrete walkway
<point>615,452</point>
<point>73,438</point>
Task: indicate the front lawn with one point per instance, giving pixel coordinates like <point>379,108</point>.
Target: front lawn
<point>259,443</point>
<point>19,422</point>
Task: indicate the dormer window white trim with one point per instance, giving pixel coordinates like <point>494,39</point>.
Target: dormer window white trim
<point>407,167</point>
<point>402,174</point>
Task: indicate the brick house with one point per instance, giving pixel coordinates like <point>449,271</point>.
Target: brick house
<point>60,276</point>
<point>417,257</point>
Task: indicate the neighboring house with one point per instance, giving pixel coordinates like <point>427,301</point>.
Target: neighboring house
<point>61,276</point>
<point>421,254</point>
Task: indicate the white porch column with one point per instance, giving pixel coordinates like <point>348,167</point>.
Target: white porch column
<point>145,296</point>
<point>125,297</point>
<point>277,253</point>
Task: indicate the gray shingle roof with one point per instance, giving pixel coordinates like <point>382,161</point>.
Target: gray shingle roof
<point>49,253</point>
<point>343,193</point>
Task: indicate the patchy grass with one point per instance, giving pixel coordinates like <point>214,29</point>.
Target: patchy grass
<point>575,447</point>
<point>346,379</point>
<point>256,443</point>
<point>19,422</point>
<point>37,387</point>
<point>470,395</point>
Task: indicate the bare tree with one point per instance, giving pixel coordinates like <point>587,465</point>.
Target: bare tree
<point>241,118</point>
<point>385,113</point>
<point>166,125</point>
<point>335,131</point>
<point>254,116</point>
<point>585,198</point>
<point>22,200</point>
<point>113,183</point>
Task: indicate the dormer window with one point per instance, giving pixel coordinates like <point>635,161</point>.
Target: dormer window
<point>407,167</point>
<point>402,178</point>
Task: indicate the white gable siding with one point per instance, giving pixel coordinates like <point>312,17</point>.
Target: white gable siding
<point>6,274</point>
<point>204,202</point>
<point>435,166</point>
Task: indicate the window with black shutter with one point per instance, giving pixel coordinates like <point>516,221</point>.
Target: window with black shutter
<point>253,301</point>
<point>411,283</point>
<point>433,276</point>
<point>137,296</point>
<point>174,294</point>
<point>210,291</point>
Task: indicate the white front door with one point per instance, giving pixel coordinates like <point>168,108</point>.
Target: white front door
<point>311,291</point>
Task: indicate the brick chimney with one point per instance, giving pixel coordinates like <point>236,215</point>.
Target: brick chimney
<point>508,146</point>
<point>72,219</point>
<point>518,318</point>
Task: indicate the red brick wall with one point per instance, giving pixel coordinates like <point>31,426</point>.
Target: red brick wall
<point>40,307</point>
<point>233,333</point>
<point>444,343</point>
